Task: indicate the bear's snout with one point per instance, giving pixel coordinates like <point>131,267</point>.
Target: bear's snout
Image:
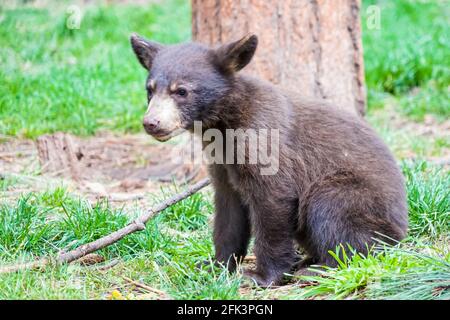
<point>151,125</point>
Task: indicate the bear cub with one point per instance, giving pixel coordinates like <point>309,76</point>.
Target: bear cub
<point>336,183</point>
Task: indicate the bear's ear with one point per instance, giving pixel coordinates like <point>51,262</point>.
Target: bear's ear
<point>145,50</point>
<point>234,56</point>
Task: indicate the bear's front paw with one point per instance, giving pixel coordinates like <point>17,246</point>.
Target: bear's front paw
<point>264,281</point>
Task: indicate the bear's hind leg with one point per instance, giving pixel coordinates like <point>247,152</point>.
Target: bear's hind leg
<point>343,210</point>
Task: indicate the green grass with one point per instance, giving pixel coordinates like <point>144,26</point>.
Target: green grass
<point>408,57</point>
<point>428,198</point>
<point>7,182</point>
<point>81,80</point>
<point>424,283</point>
<point>165,255</point>
<point>42,224</point>
<point>166,252</point>
<point>385,273</point>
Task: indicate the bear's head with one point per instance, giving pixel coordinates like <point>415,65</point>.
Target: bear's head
<point>186,82</point>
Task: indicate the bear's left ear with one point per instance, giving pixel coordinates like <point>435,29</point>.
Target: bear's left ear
<point>235,56</point>
<point>145,50</point>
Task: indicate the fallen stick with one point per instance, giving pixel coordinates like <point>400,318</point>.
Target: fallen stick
<point>146,287</point>
<point>137,225</point>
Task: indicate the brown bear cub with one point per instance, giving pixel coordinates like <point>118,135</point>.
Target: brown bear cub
<point>337,182</point>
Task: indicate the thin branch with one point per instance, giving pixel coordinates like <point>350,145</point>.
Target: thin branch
<point>137,225</point>
<point>146,287</point>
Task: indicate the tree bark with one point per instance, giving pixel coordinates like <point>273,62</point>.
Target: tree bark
<point>311,46</point>
<point>59,154</point>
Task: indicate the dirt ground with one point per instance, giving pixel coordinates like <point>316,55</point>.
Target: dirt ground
<point>124,169</point>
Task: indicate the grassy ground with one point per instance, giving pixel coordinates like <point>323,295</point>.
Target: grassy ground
<point>407,58</point>
<point>165,254</point>
<point>86,80</point>
<point>78,80</point>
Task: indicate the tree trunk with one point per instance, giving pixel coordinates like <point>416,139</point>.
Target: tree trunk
<point>311,46</point>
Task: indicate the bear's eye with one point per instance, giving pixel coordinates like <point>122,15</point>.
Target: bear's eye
<point>181,92</point>
<point>149,94</point>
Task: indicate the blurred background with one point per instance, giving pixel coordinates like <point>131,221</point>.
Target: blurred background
<point>67,65</point>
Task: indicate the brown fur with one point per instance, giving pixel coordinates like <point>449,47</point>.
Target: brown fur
<point>337,181</point>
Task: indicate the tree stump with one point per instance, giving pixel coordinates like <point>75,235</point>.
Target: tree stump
<point>58,154</point>
<point>311,46</point>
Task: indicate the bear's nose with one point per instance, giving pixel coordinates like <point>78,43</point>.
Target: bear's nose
<point>151,125</point>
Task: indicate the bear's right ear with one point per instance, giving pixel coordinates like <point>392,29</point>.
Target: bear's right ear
<point>234,56</point>
<point>145,50</point>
